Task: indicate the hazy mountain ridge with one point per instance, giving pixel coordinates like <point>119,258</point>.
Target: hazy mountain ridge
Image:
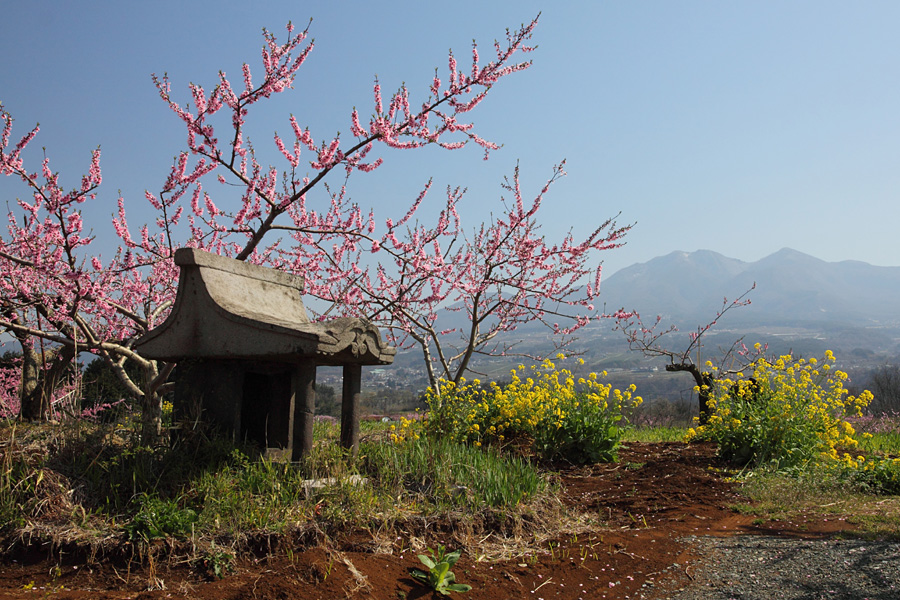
<point>792,289</point>
<point>801,305</point>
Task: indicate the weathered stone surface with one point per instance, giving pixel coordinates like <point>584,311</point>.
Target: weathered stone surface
<point>248,352</point>
<point>226,308</point>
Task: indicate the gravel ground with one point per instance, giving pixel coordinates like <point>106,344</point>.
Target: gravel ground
<point>763,567</point>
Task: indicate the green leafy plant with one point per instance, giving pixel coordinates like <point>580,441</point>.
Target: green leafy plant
<point>449,474</point>
<point>217,561</point>
<point>439,576</point>
<point>159,518</point>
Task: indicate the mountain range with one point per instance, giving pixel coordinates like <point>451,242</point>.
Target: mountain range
<point>799,304</point>
<point>792,289</point>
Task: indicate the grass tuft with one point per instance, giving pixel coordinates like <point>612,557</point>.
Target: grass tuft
<point>779,496</point>
<point>655,434</point>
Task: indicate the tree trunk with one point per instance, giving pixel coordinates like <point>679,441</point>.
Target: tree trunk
<point>151,414</point>
<point>31,406</point>
<point>704,381</point>
<point>40,381</point>
<point>429,368</point>
<point>151,420</point>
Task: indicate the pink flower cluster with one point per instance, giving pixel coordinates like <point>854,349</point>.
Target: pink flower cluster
<point>501,275</point>
<point>10,380</point>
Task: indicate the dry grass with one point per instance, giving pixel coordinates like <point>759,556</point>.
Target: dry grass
<point>787,498</point>
<point>65,514</point>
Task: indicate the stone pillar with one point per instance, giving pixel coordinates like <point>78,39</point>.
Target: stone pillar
<point>304,391</point>
<point>350,408</point>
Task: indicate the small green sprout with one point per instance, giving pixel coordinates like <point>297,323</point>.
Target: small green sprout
<point>439,577</point>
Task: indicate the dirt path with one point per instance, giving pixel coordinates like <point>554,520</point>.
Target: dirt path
<point>654,498</point>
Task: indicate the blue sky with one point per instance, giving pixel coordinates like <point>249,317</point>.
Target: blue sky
<point>737,127</point>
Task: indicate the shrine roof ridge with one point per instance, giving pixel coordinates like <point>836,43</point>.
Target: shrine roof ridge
<point>201,258</point>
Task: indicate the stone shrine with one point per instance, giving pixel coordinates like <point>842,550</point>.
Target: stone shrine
<point>248,353</point>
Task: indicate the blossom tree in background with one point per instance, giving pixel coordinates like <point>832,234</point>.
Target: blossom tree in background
<point>650,342</point>
<point>10,385</point>
<point>56,298</point>
<point>42,282</point>
<point>500,276</point>
<point>54,289</point>
<point>45,379</point>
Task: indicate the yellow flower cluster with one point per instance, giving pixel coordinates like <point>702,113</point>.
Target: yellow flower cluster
<point>789,412</point>
<point>168,413</point>
<point>543,404</point>
<point>407,430</point>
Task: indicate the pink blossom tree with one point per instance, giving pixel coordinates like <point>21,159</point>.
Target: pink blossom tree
<point>40,270</point>
<point>501,275</point>
<point>269,195</point>
<point>54,289</point>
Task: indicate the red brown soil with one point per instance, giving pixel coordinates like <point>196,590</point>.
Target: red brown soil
<point>648,502</point>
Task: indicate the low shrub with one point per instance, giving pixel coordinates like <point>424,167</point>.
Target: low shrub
<point>556,415</point>
<point>788,414</point>
<point>875,475</point>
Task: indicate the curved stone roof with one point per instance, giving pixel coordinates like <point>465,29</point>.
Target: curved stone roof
<point>229,309</point>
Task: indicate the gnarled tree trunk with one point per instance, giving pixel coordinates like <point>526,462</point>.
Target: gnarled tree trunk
<point>42,373</point>
<point>703,380</point>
